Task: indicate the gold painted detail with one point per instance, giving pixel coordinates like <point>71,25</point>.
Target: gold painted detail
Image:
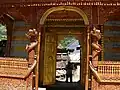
<point>19,48</point>
<point>19,38</point>
<point>67,8</point>
<point>49,59</point>
<point>64,19</point>
<point>21,28</point>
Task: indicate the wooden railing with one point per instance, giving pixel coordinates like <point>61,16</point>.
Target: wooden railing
<point>109,67</point>
<point>108,71</point>
<point>113,69</point>
<point>16,74</point>
<point>106,77</point>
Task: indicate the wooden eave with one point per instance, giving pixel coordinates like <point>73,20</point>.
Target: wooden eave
<point>37,3</point>
<point>64,23</point>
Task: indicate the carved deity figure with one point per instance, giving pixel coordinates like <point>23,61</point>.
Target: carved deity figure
<point>96,48</point>
<point>30,48</point>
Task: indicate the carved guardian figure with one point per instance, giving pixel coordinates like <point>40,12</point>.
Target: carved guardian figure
<point>96,48</point>
<point>30,48</point>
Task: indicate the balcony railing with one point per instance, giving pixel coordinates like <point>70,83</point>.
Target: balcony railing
<point>16,74</point>
<point>108,71</point>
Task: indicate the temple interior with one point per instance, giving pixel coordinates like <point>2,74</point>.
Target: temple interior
<point>59,45</point>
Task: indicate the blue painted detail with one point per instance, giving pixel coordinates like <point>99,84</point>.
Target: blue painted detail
<point>19,43</point>
<point>19,23</point>
<point>112,23</point>
<point>19,33</point>
<point>19,54</point>
<point>111,56</point>
<point>112,33</point>
<point>112,45</point>
<point>109,44</point>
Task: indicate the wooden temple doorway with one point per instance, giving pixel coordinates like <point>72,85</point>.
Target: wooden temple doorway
<point>57,23</point>
<point>69,49</point>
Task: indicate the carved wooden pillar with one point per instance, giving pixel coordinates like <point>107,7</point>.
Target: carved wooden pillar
<point>39,29</point>
<point>41,53</point>
<point>83,61</point>
<point>87,57</point>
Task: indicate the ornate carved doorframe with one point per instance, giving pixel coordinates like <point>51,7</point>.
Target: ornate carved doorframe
<point>67,8</point>
<point>86,21</point>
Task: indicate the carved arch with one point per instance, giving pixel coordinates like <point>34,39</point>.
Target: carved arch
<point>68,8</point>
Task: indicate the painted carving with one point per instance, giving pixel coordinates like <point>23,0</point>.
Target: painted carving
<point>49,60</point>
<point>96,48</point>
<point>12,74</point>
<point>107,77</point>
<point>32,36</point>
<point>16,84</point>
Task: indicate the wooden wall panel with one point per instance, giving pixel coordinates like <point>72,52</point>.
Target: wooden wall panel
<point>19,39</point>
<point>111,40</point>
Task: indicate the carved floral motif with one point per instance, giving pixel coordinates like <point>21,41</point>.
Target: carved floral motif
<point>15,84</point>
<point>109,75</point>
<point>104,86</point>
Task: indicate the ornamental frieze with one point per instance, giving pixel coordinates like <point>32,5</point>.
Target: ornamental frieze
<point>105,13</point>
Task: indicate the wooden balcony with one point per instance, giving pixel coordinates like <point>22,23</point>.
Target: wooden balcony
<point>15,74</point>
<point>107,77</point>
